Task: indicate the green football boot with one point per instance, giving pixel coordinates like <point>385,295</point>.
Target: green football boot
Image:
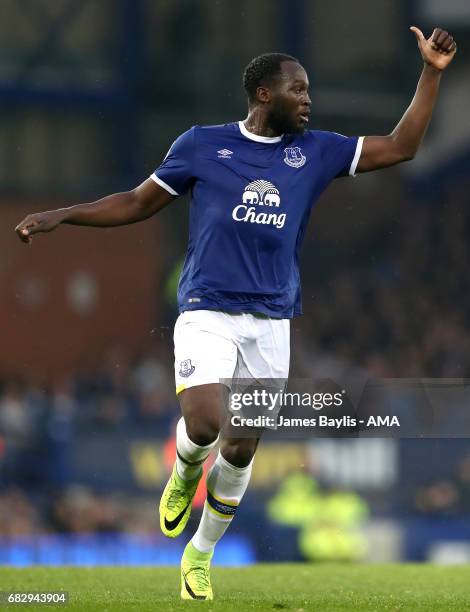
<point>175,504</point>
<point>195,574</point>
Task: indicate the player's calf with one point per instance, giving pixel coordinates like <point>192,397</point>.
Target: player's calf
<point>239,452</point>
<point>226,485</point>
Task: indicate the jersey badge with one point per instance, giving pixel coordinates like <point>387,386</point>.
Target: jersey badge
<point>294,157</point>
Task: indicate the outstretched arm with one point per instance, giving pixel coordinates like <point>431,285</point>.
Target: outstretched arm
<point>402,144</point>
<point>117,209</point>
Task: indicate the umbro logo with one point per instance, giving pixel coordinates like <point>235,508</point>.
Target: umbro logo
<point>225,154</point>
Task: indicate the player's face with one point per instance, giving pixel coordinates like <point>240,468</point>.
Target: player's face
<point>290,103</point>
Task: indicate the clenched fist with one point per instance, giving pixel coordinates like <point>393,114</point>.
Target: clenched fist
<point>38,222</point>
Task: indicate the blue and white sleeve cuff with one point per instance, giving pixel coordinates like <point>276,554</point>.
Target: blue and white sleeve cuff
<point>357,156</point>
<point>165,186</point>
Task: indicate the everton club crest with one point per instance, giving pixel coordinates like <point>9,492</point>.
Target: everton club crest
<point>294,157</point>
<point>186,368</point>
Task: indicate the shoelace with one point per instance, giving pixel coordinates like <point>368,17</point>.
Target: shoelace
<point>175,498</point>
<point>201,574</point>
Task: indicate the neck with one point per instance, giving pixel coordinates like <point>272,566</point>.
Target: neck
<point>256,123</point>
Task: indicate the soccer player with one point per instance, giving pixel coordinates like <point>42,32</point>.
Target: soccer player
<point>253,184</point>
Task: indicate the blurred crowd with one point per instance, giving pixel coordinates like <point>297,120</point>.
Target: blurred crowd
<point>405,312</point>
<point>446,496</point>
<point>113,392</point>
<point>76,509</point>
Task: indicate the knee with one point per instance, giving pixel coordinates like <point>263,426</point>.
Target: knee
<point>201,408</point>
<point>238,452</point>
<point>201,431</point>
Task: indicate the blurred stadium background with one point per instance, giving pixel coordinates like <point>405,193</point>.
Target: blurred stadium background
<point>92,94</point>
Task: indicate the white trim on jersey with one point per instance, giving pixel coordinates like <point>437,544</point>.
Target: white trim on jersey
<point>357,156</point>
<point>159,181</point>
<point>255,137</point>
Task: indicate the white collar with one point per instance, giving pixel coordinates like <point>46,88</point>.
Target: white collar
<point>255,137</point>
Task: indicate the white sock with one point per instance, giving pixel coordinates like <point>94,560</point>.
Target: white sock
<point>226,485</point>
<point>189,456</point>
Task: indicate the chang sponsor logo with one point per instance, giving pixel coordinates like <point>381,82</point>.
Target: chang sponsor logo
<point>259,194</point>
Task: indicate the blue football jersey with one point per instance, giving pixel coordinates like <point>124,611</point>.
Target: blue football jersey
<point>251,198</point>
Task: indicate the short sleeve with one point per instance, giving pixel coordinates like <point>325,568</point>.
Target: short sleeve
<point>340,153</point>
<point>176,172</point>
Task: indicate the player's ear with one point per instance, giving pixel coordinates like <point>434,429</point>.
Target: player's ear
<point>263,94</point>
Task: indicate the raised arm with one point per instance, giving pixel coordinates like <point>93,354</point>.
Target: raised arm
<point>402,144</point>
<point>113,210</point>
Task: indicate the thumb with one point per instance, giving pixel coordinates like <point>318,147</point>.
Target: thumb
<point>419,35</point>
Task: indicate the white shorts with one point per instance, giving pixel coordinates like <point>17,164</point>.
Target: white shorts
<point>211,345</point>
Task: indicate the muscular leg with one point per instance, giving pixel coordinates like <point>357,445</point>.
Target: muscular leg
<point>198,429</point>
<point>202,411</point>
<point>227,482</point>
<point>203,414</point>
<point>196,435</point>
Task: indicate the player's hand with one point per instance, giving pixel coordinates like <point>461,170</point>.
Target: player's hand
<point>438,50</point>
<point>38,222</point>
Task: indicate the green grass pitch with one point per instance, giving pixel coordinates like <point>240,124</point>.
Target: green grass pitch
<point>299,588</point>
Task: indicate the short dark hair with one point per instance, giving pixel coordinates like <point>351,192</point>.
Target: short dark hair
<point>262,70</point>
